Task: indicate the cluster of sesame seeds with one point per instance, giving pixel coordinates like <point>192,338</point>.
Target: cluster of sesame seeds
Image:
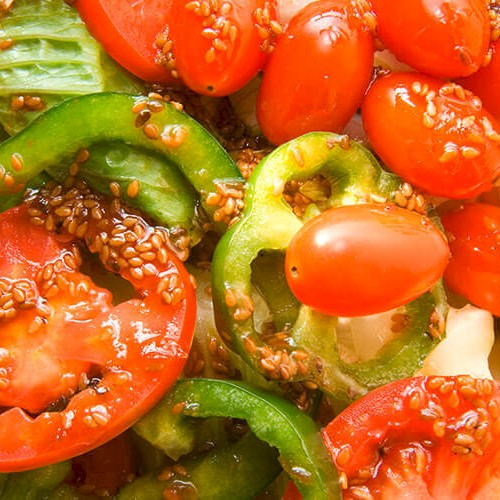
<point>494,14</point>
<point>178,483</point>
<point>217,26</point>
<point>267,26</point>
<point>247,159</point>
<point>300,194</point>
<point>229,200</point>
<point>165,56</point>
<point>26,103</point>
<point>171,136</point>
<point>123,240</point>
<point>407,197</point>
<point>437,325</point>
<point>15,295</point>
<point>400,322</point>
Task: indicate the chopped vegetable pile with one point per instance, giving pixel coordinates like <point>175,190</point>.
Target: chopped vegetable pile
<point>249,249</point>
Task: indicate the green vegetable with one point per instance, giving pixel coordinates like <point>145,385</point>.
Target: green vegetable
<point>52,142</point>
<point>247,254</point>
<point>271,418</point>
<point>52,57</point>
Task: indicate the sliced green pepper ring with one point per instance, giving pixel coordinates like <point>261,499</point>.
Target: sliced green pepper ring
<point>305,348</point>
<point>186,159</point>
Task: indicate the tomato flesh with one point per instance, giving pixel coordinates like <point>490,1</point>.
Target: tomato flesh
<point>363,259</point>
<point>218,50</point>
<point>474,269</point>
<point>75,371</point>
<point>127,29</point>
<point>432,436</point>
<point>435,135</point>
<point>439,37</point>
<point>316,77</point>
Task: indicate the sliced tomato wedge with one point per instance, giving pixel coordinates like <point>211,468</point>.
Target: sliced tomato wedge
<point>423,437</point>
<point>128,30</point>
<point>75,370</point>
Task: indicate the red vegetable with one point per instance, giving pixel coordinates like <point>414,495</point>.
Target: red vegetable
<point>445,38</point>
<point>474,269</point>
<point>75,371</point>
<point>363,259</point>
<point>316,76</point>
<point>435,135</point>
<point>128,29</point>
<point>219,49</point>
<point>424,437</point>
<point>485,83</point>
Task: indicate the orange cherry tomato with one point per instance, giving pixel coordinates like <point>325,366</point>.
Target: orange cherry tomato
<point>127,29</point>
<point>445,38</point>
<point>364,259</point>
<point>315,78</point>
<point>474,269</point>
<point>219,48</point>
<point>485,83</point>
<point>435,135</point>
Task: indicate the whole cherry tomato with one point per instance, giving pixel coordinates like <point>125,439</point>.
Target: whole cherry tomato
<point>446,38</point>
<point>474,269</point>
<point>435,135</point>
<point>363,259</point>
<point>316,77</point>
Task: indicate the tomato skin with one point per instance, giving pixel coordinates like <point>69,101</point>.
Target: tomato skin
<point>202,66</point>
<point>127,30</point>
<point>485,83</point>
<point>410,435</point>
<point>474,268</point>
<point>133,351</point>
<point>316,77</point>
<point>444,38</point>
<point>364,259</point>
<point>455,153</point>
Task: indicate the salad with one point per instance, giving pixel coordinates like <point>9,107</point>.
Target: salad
<point>249,249</point>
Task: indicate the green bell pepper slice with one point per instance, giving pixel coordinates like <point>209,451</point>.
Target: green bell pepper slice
<point>52,142</point>
<point>309,351</point>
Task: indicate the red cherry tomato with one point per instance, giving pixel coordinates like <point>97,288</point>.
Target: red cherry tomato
<point>363,259</point>
<point>474,269</point>
<point>423,437</point>
<point>316,77</point>
<point>127,29</point>
<point>219,47</point>
<point>445,38</point>
<point>485,83</point>
<point>435,135</point>
<point>75,371</point>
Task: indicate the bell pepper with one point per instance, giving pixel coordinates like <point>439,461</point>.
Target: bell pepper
<point>249,260</point>
<point>270,417</point>
<point>185,160</point>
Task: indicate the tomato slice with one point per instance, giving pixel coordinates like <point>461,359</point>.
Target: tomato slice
<point>474,269</point>
<point>439,37</point>
<point>485,83</point>
<point>423,437</point>
<point>435,135</point>
<point>128,29</point>
<point>219,46</point>
<point>318,73</point>
<point>75,370</point>
<point>363,259</point>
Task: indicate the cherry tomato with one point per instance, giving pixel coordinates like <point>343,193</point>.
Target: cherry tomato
<point>75,371</point>
<point>485,83</point>
<point>218,47</point>
<point>435,135</point>
<point>316,77</point>
<point>474,269</point>
<point>423,437</point>
<point>128,29</point>
<point>445,38</point>
<point>105,469</point>
<point>363,259</point>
